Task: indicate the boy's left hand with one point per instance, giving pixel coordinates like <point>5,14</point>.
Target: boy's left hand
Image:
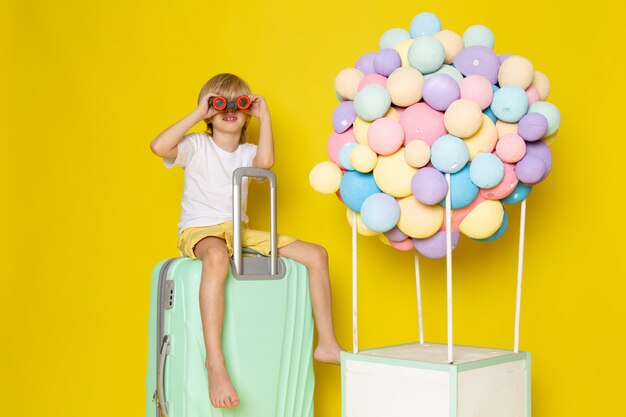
<point>258,108</point>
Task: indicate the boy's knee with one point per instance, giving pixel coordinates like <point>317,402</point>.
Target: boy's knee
<point>216,257</point>
<point>319,255</point>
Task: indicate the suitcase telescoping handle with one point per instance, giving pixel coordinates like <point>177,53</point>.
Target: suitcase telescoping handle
<point>237,251</point>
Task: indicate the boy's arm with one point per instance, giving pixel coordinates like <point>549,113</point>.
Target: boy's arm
<point>166,143</point>
<point>265,150</point>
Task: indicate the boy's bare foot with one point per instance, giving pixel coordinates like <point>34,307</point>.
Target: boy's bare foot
<point>328,353</point>
<point>221,390</point>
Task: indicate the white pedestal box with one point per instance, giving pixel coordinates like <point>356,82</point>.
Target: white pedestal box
<point>416,380</point>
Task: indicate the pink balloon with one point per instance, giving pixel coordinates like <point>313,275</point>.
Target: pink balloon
<point>477,89</point>
<point>336,141</point>
<point>385,136</point>
<point>505,187</point>
<point>420,121</point>
<point>533,95</point>
<point>372,79</point>
<point>403,245</point>
<point>511,148</point>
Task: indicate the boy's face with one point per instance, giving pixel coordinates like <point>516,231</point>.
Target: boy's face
<point>231,121</point>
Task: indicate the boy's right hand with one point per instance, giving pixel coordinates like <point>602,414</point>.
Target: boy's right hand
<point>204,110</point>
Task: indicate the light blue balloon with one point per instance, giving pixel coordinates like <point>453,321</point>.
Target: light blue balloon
<point>498,234</point>
<point>449,154</point>
<point>372,102</point>
<point>448,70</point>
<point>550,112</point>
<point>393,37</point>
<point>490,114</point>
<point>510,103</point>
<point>380,212</point>
<point>462,190</point>
<point>355,187</point>
<point>426,54</point>
<point>486,170</point>
<point>344,155</point>
<point>520,192</point>
<point>479,35</point>
<point>425,23</point>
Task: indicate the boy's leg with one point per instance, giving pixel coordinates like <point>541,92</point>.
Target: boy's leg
<point>213,253</point>
<point>316,260</point>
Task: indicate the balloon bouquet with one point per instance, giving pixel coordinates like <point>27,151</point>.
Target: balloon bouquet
<point>427,104</point>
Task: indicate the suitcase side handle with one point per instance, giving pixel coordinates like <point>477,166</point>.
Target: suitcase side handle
<point>237,179</point>
<point>160,392</point>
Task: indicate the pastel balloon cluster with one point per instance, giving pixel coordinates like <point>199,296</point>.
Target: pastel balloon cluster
<point>430,103</point>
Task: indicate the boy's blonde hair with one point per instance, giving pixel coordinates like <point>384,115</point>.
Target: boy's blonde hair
<point>230,87</point>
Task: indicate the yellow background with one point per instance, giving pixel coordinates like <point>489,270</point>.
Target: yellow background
<point>87,210</point>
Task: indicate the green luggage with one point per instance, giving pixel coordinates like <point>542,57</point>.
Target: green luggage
<point>267,334</point>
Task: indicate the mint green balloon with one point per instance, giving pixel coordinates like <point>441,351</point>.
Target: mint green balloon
<point>372,102</point>
<point>426,54</point>
<point>392,37</point>
<point>448,70</point>
<point>478,35</point>
<point>550,112</point>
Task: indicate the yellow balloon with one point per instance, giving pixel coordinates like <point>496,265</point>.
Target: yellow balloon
<point>452,44</point>
<point>417,153</point>
<point>360,130</point>
<point>516,70</point>
<point>505,128</point>
<point>393,175</point>
<point>384,239</point>
<point>484,140</point>
<point>403,49</point>
<point>347,82</point>
<point>405,86</point>
<point>363,159</point>
<point>463,118</point>
<point>542,84</point>
<point>325,177</point>
<point>419,220</point>
<point>484,220</point>
<point>392,114</point>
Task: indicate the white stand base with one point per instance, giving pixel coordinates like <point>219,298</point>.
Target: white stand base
<point>416,380</point>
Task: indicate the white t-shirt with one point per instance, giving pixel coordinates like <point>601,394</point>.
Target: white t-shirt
<point>207,190</point>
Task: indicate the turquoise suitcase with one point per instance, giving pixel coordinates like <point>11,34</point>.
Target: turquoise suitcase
<point>267,334</point>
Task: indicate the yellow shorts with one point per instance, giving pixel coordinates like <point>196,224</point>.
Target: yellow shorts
<point>252,239</point>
